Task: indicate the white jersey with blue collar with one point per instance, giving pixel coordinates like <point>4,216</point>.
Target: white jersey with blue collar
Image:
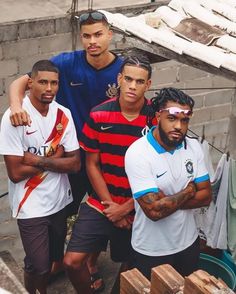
<point>149,168</point>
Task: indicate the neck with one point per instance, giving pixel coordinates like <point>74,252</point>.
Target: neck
<point>156,135</point>
<point>41,107</point>
<point>101,60</point>
<point>131,110</point>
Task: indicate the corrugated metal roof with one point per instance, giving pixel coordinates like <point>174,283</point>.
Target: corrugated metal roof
<point>201,29</point>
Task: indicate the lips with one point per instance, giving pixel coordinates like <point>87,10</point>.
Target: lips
<point>176,135</point>
<point>130,94</point>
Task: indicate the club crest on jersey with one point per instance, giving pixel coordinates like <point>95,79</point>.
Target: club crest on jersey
<point>112,90</point>
<point>59,128</point>
<point>189,166</point>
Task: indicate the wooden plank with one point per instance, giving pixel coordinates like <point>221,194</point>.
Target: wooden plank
<point>133,282</point>
<point>166,280</point>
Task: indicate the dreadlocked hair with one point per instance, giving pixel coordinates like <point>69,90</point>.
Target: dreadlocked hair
<point>170,94</point>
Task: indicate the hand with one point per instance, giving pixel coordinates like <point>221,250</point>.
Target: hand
<point>191,188</point>
<point>123,224</point>
<point>30,159</point>
<point>19,117</point>
<point>58,153</point>
<point>113,211</point>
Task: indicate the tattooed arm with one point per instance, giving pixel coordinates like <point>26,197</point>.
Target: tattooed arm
<point>158,205</point>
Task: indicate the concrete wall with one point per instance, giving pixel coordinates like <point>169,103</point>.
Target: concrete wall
<point>23,43</point>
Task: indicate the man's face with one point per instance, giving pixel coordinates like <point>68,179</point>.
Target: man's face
<point>43,87</point>
<point>173,127</point>
<point>133,83</point>
<point>95,38</point>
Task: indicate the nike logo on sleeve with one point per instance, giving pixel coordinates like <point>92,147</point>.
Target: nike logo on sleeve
<point>30,133</point>
<point>158,176</point>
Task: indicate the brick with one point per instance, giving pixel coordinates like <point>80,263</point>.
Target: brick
<point>191,73</point>
<point>217,127</point>
<point>25,64</point>
<point>4,104</point>
<point>199,99</point>
<point>8,81</point>
<point>63,25</point>
<point>36,28</point>
<point>201,115</point>
<point>8,68</point>
<point>205,82</point>
<point>2,88</point>
<point>23,48</point>
<point>218,81</point>
<point>52,43</point>
<point>8,32</point>
<point>219,97</point>
<point>219,112</point>
<point>165,76</point>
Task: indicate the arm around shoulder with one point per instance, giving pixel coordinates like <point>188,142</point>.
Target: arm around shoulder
<point>17,90</point>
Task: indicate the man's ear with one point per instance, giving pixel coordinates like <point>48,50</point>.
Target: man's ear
<point>30,82</point>
<point>157,115</point>
<point>149,82</point>
<point>119,79</point>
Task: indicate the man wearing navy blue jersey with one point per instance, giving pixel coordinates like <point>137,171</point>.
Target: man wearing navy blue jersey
<point>87,78</point>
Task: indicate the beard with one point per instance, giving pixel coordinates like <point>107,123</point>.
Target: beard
<point>170,143</point>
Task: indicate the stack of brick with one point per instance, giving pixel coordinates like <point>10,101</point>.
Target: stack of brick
<point>165,280</point>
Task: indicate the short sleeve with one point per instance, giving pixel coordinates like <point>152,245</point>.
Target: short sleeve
<point>139,172</point>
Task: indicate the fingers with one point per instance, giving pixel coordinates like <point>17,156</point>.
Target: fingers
<point>20,118</point>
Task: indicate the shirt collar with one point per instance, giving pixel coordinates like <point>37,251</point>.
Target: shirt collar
<point>157,146</point>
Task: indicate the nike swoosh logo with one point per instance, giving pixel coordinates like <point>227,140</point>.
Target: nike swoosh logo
<point>158,176</point>
<point>106,128</point>
<point>30,133</point>
<point>75,84</point>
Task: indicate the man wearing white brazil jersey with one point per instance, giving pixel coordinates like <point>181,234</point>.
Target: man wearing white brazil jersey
<point>168,178</point>
<point>38,159</point>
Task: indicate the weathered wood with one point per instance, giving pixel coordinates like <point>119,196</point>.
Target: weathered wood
<point>133,282</point>
<point>166,280</point>
<point>200,282</point>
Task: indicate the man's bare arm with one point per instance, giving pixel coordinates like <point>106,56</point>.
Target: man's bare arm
<point>70,162</point>
<point>202,197</point>
<point>158,205</point>
<point>17,90</point>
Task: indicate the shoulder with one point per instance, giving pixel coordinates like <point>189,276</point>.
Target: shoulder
<point>194,145</point>
<point>137,147</point>
<point>56,105</point>
<point>67,58</point>
<point>108,105</point>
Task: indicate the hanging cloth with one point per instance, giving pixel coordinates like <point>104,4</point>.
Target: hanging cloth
<point>232,209</point>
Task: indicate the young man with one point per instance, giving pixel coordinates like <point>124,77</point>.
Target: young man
<point>108,212</point>
<point>168,178</point>
<point>87,78</point>
<point>37,158</point>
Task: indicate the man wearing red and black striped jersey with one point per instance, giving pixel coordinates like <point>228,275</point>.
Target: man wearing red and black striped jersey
<point>107,214</point>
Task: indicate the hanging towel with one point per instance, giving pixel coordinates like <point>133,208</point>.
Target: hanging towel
<point>232,209</point>
<point>211,221</point>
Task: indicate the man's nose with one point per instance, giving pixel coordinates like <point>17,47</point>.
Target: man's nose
<point>132,84</point>
<point>49,87</point>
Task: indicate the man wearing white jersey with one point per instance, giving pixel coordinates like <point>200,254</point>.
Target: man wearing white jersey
<point>168,178</point>
<point>38,158</point>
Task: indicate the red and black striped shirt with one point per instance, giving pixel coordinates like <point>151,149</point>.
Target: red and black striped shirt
<point>108,132</point>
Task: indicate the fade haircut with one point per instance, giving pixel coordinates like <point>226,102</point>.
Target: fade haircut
<point>43,65</point>
<point>139,61</point>
<point>171,94</point>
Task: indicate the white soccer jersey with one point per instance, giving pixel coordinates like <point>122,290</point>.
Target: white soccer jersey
<point>47,192</point>
<point>149,168</point>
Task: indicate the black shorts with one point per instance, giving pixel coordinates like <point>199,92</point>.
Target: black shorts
<point>185,262</point>
<point>91,233</point>
<point>43,241</point>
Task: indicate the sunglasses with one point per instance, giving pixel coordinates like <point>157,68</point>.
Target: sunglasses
<point>95,15</point>
<point>177,110</point>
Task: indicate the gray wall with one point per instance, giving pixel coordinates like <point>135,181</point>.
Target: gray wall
<point>24,42</point>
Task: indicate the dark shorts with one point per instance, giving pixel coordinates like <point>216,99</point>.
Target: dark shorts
<point>185,262</point>
<point>43,241</point>
<point>91,233</point>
